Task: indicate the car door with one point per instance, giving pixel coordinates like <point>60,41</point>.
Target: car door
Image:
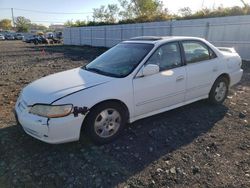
<point>201,66</point>
<point>165,88</point>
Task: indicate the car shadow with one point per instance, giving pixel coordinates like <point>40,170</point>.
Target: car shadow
<point>26,161</point>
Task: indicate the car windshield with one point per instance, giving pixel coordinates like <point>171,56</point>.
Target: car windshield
<point>120,60</point>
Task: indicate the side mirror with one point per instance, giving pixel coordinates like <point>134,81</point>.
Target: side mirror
<point>150,69</point>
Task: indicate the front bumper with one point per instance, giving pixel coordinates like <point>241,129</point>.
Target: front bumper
<point>54,130</point>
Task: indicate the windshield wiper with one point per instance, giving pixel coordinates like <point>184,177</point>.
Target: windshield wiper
<point>94,70</point>
<point>98,71</point>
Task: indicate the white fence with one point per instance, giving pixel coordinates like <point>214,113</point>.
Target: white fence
<point>232,31</point>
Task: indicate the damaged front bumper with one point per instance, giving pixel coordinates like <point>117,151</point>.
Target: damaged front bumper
<point>53,130</point>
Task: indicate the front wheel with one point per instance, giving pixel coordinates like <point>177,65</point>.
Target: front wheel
<point>219,91</point>
<point>105,122</point>
<point>35,42</point>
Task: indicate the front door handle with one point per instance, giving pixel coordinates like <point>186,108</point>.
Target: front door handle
<point>179,78</point>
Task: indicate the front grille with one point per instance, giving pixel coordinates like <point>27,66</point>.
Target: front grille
<point>32,132</point>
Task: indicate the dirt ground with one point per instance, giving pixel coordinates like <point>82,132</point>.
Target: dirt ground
<point>198,145</point>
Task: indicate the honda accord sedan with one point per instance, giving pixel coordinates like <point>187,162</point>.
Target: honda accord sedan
<point>135,79</point>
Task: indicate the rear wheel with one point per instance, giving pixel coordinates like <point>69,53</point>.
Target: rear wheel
<point>105,122</point>
<point>219,90</point>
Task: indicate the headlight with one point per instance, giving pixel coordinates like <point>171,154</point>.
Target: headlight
<point>51,111</point>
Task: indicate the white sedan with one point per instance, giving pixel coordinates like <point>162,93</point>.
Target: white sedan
<point>135,79</point>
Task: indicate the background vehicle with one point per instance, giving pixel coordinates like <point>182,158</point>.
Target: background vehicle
<point>2,37</point>
<point>9,37</point>
<point>59,35</point>
<point>40,40</point>
<point>55,41</point>
<point>49,35</point>
<point>19,36</point>
<point>133,80</point>
<point>29,39</point>
<point>36,39</point>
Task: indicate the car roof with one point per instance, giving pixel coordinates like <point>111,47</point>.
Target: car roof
<point>159,39</point>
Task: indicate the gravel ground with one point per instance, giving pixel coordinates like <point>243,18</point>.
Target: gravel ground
<point>198,145</point>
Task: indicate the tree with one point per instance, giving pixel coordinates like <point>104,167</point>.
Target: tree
<point>185,12</point>
<point>5,24</point>
<point>244,3</point>
<point>143,10</point>
<point>128,12</point>
<point>143,7</point>
<point>77,23</point>
<point>22,24</point>
<point>37,27</point>
<point>132,11</point>
<point>69,23</point>
<point>111,13</point>
<point>98,14</point>
<point>135,11</point>
<point>246,7</point>
<point>107,14</point>
<point>147,7</point>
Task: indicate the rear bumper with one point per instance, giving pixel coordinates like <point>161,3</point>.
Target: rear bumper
<point>235,77</point>
<point>53,131</point>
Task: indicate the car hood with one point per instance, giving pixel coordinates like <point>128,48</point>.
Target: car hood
<point>52,87</point>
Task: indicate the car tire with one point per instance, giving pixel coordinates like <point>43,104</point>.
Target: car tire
<point>105,122</point>
<point>219,90</point>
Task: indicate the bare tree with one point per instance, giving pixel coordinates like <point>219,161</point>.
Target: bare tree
<point>22,24</point>
<point>106,14</point>
<point>244,3</point>
<point>185,11</point>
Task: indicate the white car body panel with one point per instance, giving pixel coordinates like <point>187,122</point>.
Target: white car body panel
<point>206,74</point>
<point>159,91</point>
<point>55,130</point>
<point>61,84</point>
<point>143,96</point>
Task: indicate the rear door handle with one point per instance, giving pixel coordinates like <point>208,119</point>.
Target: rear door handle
<point>179,78</point>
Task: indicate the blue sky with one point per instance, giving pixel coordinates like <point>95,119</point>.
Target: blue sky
<point>86,6</point>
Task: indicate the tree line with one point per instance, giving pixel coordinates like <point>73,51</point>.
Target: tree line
<point>22,24</point>
<point>139,11</point>
<point>133,11</point>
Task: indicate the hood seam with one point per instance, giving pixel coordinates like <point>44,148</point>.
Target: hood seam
<point>76,92</point>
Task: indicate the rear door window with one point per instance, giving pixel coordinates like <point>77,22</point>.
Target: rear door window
<point>196,51</point>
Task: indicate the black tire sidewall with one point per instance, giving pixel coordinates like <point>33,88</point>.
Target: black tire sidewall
<point>212,92</point>
<point>91,119</point>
